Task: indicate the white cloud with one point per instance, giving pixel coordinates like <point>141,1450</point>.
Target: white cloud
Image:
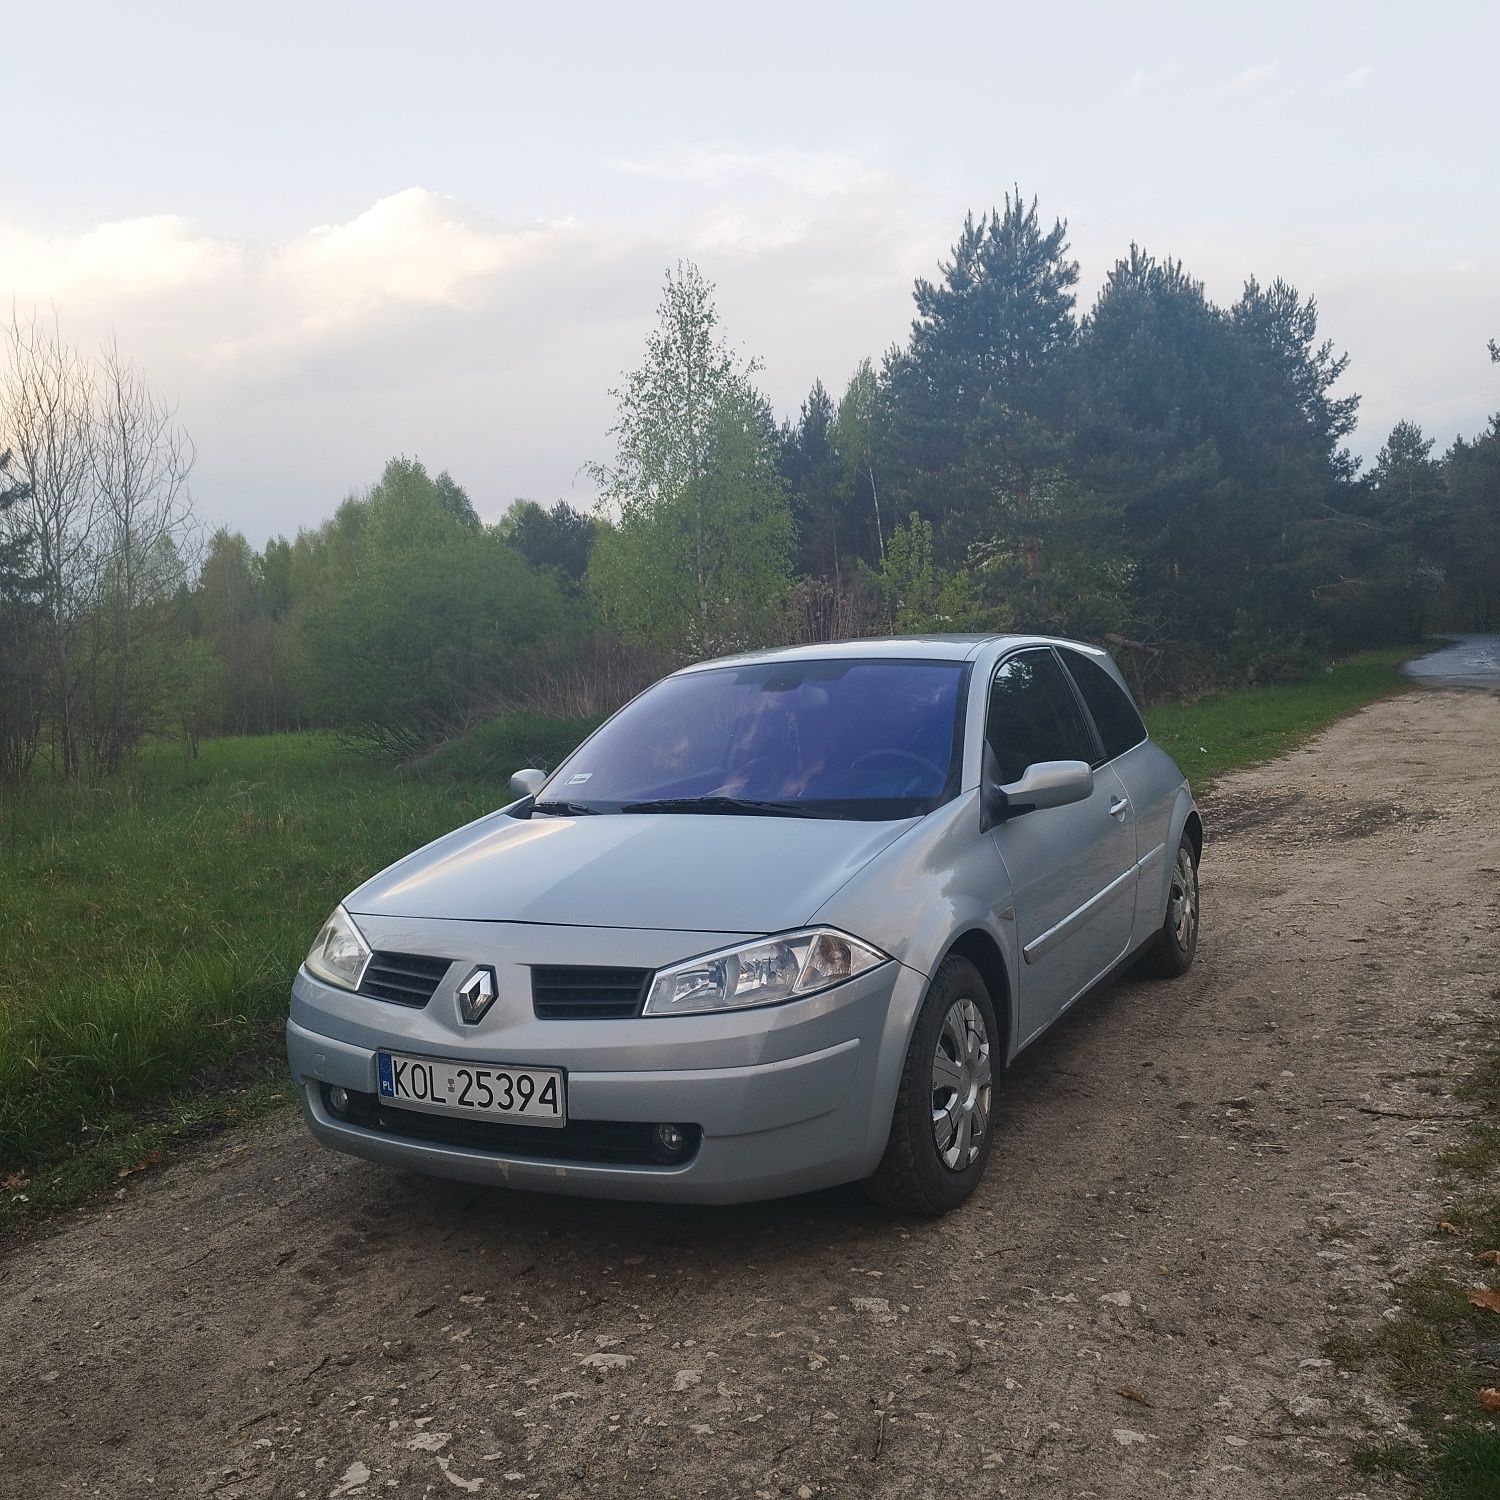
<point>1144,80</point>
<point>1355,80</point>
<point>1250,78</point>
<point>812,172</point>
<point>421,326</point>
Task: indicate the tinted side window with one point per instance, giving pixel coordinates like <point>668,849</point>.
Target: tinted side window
<point>1114,714</point>
<point>1034,716</point>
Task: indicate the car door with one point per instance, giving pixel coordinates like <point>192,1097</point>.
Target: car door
<point>1150,779</point>
<point>1072,869</point>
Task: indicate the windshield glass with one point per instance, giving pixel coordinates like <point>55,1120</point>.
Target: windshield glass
<point>835,739</point>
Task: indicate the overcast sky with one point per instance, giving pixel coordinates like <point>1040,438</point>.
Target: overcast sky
<point>339,232</point>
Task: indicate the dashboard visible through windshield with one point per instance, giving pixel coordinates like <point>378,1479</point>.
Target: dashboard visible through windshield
<point>866,739</point>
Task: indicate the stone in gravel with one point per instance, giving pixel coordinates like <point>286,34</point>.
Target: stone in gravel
<point>354,1477</point>
<point>1117,1299</point>
<point>1127,1437</point>
<point>601,1361</point>
<point>1313,1410</point>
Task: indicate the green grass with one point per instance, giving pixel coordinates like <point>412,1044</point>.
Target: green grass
<point>1226,732</point>
<point>150,929</point>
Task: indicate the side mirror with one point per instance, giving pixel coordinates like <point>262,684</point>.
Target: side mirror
<point>1048,783</point>
<point>527,783</point>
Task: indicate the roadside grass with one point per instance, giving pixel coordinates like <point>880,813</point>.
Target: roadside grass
<point>1229,731</point>
<point>1440,1350</point>
<point>149,931</point>
<point>150,928</point>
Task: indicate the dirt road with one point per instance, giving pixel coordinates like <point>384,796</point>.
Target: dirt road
<point>1196,1183</point>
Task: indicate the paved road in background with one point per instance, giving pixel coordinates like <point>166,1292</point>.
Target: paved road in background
<point>1471,661</point>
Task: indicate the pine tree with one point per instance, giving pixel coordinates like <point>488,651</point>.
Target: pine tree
<point>978,399</point>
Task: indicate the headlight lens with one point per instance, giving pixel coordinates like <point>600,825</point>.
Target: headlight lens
<point>763,973</point>
<point>339,952</point>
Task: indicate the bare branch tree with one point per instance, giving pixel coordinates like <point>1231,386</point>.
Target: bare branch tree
<point>46,403</point>
<point>143,519</point>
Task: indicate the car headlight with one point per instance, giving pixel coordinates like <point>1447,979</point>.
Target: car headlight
<point>339,952</point>
<point>763,973</point>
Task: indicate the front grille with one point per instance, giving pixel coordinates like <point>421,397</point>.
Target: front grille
<point>587,994</point>
<point>403,978</point>
<point>625,1143</point>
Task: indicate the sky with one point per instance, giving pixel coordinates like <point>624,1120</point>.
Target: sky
<point>338,232</point>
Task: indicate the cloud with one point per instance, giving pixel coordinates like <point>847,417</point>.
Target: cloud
<point>1250,78</point>
<point>1144,80</point>
<point>813,172</point>
<point>422,326</point>
<point>409,251</point>
<point>1355,80</point>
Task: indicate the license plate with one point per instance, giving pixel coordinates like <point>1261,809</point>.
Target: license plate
<point>529,1096</point>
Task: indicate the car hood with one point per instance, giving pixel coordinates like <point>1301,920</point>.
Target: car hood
<point>685,871</point>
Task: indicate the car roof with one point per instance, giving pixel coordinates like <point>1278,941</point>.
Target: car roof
<point>956,647</point>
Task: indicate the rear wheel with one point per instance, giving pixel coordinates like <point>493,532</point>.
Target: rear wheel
<point>943,1127</point>
<point>1176,945</point>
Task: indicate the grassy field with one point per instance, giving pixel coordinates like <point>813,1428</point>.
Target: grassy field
<point>149,929</point>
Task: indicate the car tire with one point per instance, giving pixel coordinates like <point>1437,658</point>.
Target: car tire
<point>1172,952</point>
<point>955,1055</point>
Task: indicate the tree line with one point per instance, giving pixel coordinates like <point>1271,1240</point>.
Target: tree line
<point>1157,471</point>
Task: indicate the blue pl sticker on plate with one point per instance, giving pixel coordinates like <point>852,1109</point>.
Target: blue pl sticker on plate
<point>387,1084</point>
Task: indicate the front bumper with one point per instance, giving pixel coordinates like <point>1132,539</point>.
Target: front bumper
<point>788,1099</point>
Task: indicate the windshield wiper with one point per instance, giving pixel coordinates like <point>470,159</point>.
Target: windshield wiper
<point>563,809</point>
<point>744,805</point>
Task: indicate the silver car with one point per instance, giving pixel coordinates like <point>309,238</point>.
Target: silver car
<point>780,923</point>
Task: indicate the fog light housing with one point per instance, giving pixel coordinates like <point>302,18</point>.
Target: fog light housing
<point>338,1099</point>
<point>669,1142</point>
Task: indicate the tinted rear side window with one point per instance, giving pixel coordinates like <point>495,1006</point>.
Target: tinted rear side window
<point>1118,723</point>
<point>1034,716</point>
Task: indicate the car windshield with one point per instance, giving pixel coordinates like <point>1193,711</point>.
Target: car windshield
<point>864,739</point>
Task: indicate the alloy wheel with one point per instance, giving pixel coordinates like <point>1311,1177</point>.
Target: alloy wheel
<point>961,1085</point>
<point>1184,907</point>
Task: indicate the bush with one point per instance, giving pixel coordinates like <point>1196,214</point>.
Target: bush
<point>491,751</point>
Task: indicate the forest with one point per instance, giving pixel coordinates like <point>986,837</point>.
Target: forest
<point>1151,470</point>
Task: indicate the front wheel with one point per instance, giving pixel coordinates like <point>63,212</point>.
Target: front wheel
<point>943,1127</point>
<point>1176,945</point>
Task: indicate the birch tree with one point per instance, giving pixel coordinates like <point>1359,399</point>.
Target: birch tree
<point>696,558</point>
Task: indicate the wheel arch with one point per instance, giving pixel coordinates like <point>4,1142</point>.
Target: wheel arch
<point>1193,828</point>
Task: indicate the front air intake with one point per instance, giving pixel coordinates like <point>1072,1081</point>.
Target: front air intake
<point>403,978</point>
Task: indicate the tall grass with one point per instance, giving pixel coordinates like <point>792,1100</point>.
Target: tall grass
<point>149,929</point>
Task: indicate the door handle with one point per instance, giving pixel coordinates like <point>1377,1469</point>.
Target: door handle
<point>1119,807</point>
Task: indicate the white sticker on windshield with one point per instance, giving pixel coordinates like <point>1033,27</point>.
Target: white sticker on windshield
<point>579,778</point>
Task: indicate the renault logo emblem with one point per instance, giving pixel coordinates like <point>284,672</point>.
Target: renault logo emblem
<point>476,994</point>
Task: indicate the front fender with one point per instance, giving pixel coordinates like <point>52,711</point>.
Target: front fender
<point>938,883</point>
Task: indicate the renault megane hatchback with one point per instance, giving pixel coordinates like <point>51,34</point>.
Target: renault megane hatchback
<point>780,923</point>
